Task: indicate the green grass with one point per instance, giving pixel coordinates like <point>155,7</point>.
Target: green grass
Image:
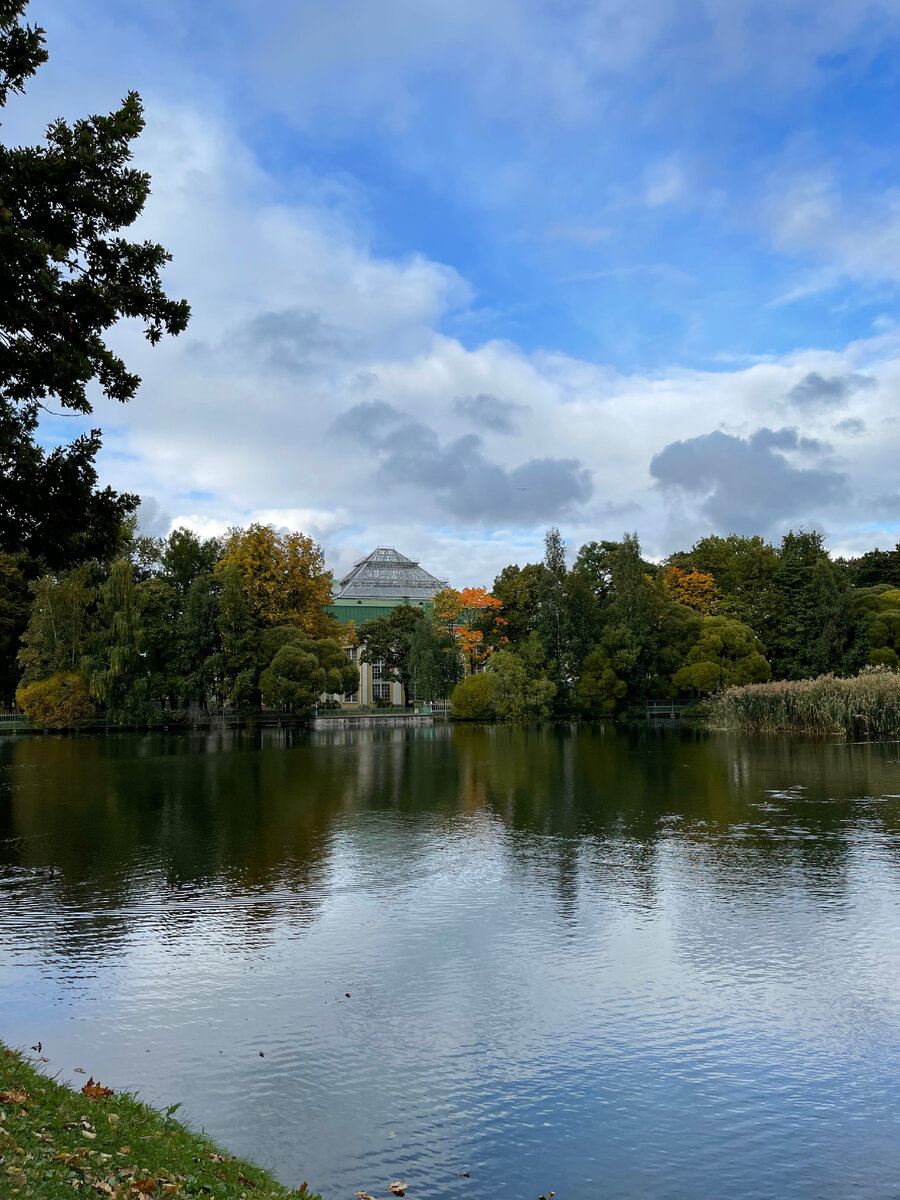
<point>866,705</point>
<point>56,1142</point>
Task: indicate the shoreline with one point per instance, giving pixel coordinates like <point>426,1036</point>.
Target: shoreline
<point>56,1141</point>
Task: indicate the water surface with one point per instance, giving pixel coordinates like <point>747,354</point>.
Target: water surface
<point>634,964</point>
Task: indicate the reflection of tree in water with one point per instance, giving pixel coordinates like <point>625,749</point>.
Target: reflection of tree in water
<point>241,831</point>
<point>170,830</point>
<point>625,793</point>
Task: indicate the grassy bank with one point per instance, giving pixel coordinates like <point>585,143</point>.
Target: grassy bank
<point>56,1141</point>
<point>866,705</point>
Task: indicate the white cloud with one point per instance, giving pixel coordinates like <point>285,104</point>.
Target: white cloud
<point>297,319</point>
<point>810,216</point>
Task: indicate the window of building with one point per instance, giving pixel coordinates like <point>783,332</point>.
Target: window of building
<point>381,691</point>
<point>378,669</point>
<point>352,653</point>
<point>351,697</point>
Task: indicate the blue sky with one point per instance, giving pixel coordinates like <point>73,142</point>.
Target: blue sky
<point>662,239</point>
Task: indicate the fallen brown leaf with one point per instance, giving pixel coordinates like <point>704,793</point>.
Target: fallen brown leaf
<point>398,1187</point>
<point>14,1096</point>
<point>95,1091</point>
<point>363,1196</point>
<point>144,1186</point>
<point>75,1155</point>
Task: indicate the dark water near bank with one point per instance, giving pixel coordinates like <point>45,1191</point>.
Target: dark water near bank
<point>638,965</point>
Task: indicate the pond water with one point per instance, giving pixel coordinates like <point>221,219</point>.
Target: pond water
<point>633,964</point>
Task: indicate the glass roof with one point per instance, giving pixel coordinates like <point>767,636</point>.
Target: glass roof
<point>387,574</point>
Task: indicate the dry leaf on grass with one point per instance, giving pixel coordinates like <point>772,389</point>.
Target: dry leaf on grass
<point>14,1096</point>
<point>95,1091</point>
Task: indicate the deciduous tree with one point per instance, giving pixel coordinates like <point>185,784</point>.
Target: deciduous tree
<point>66,277</point>
<point>240,639</point>
<point>283,576</point>
<point>118,671</point>
<point>59,624</point>
<point>725,653</point>
<point>388,640</point>
<point>434,662</point>
<point>599,692</point>
<point>304,669</point>
<point>61,702</point>
<point>15,605</point>
<point>473,617</point>
<point>693,588</point>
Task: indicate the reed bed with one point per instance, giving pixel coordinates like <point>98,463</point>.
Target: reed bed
<point>865,705</point>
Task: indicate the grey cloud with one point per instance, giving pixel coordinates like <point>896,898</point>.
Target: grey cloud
<point>886,507</point>
<point>831,391</point>
<point>457,474</point>
<point>294,341</point>
<point>489,412</point>
<point>747,485</point>
<point>363,380</point>
<point>851,426</point>
<point>786,439</point>
<point>151,520</point>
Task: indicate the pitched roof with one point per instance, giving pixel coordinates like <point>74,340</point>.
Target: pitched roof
<point>386,574</point>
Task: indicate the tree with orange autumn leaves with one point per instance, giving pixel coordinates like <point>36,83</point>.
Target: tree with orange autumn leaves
<point>473,619</point>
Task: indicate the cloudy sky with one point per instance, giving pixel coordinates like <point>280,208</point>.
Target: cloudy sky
<point>463,270</point>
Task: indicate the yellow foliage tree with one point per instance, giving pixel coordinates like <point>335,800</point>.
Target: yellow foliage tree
<point>284,577</point>
<point>60,702</point>
<point>695,589</point>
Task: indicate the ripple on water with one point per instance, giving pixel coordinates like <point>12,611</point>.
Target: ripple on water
<point>571,965</point>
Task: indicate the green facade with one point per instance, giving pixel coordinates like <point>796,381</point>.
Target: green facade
<point>358,611</point>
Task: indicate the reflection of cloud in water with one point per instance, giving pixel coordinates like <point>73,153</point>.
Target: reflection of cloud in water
<point>555,941</point>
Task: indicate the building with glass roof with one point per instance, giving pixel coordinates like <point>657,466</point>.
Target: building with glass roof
<point>381,581</point>
<point>373,586</point>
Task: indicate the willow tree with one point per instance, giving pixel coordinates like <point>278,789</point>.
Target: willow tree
<point>118,671</point>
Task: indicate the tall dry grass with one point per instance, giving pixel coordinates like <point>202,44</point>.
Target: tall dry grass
<point>866,705</point>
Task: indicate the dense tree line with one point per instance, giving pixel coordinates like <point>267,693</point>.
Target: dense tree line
<point>234,623</point>
<point>240,622</point>
<point>614,631</point>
